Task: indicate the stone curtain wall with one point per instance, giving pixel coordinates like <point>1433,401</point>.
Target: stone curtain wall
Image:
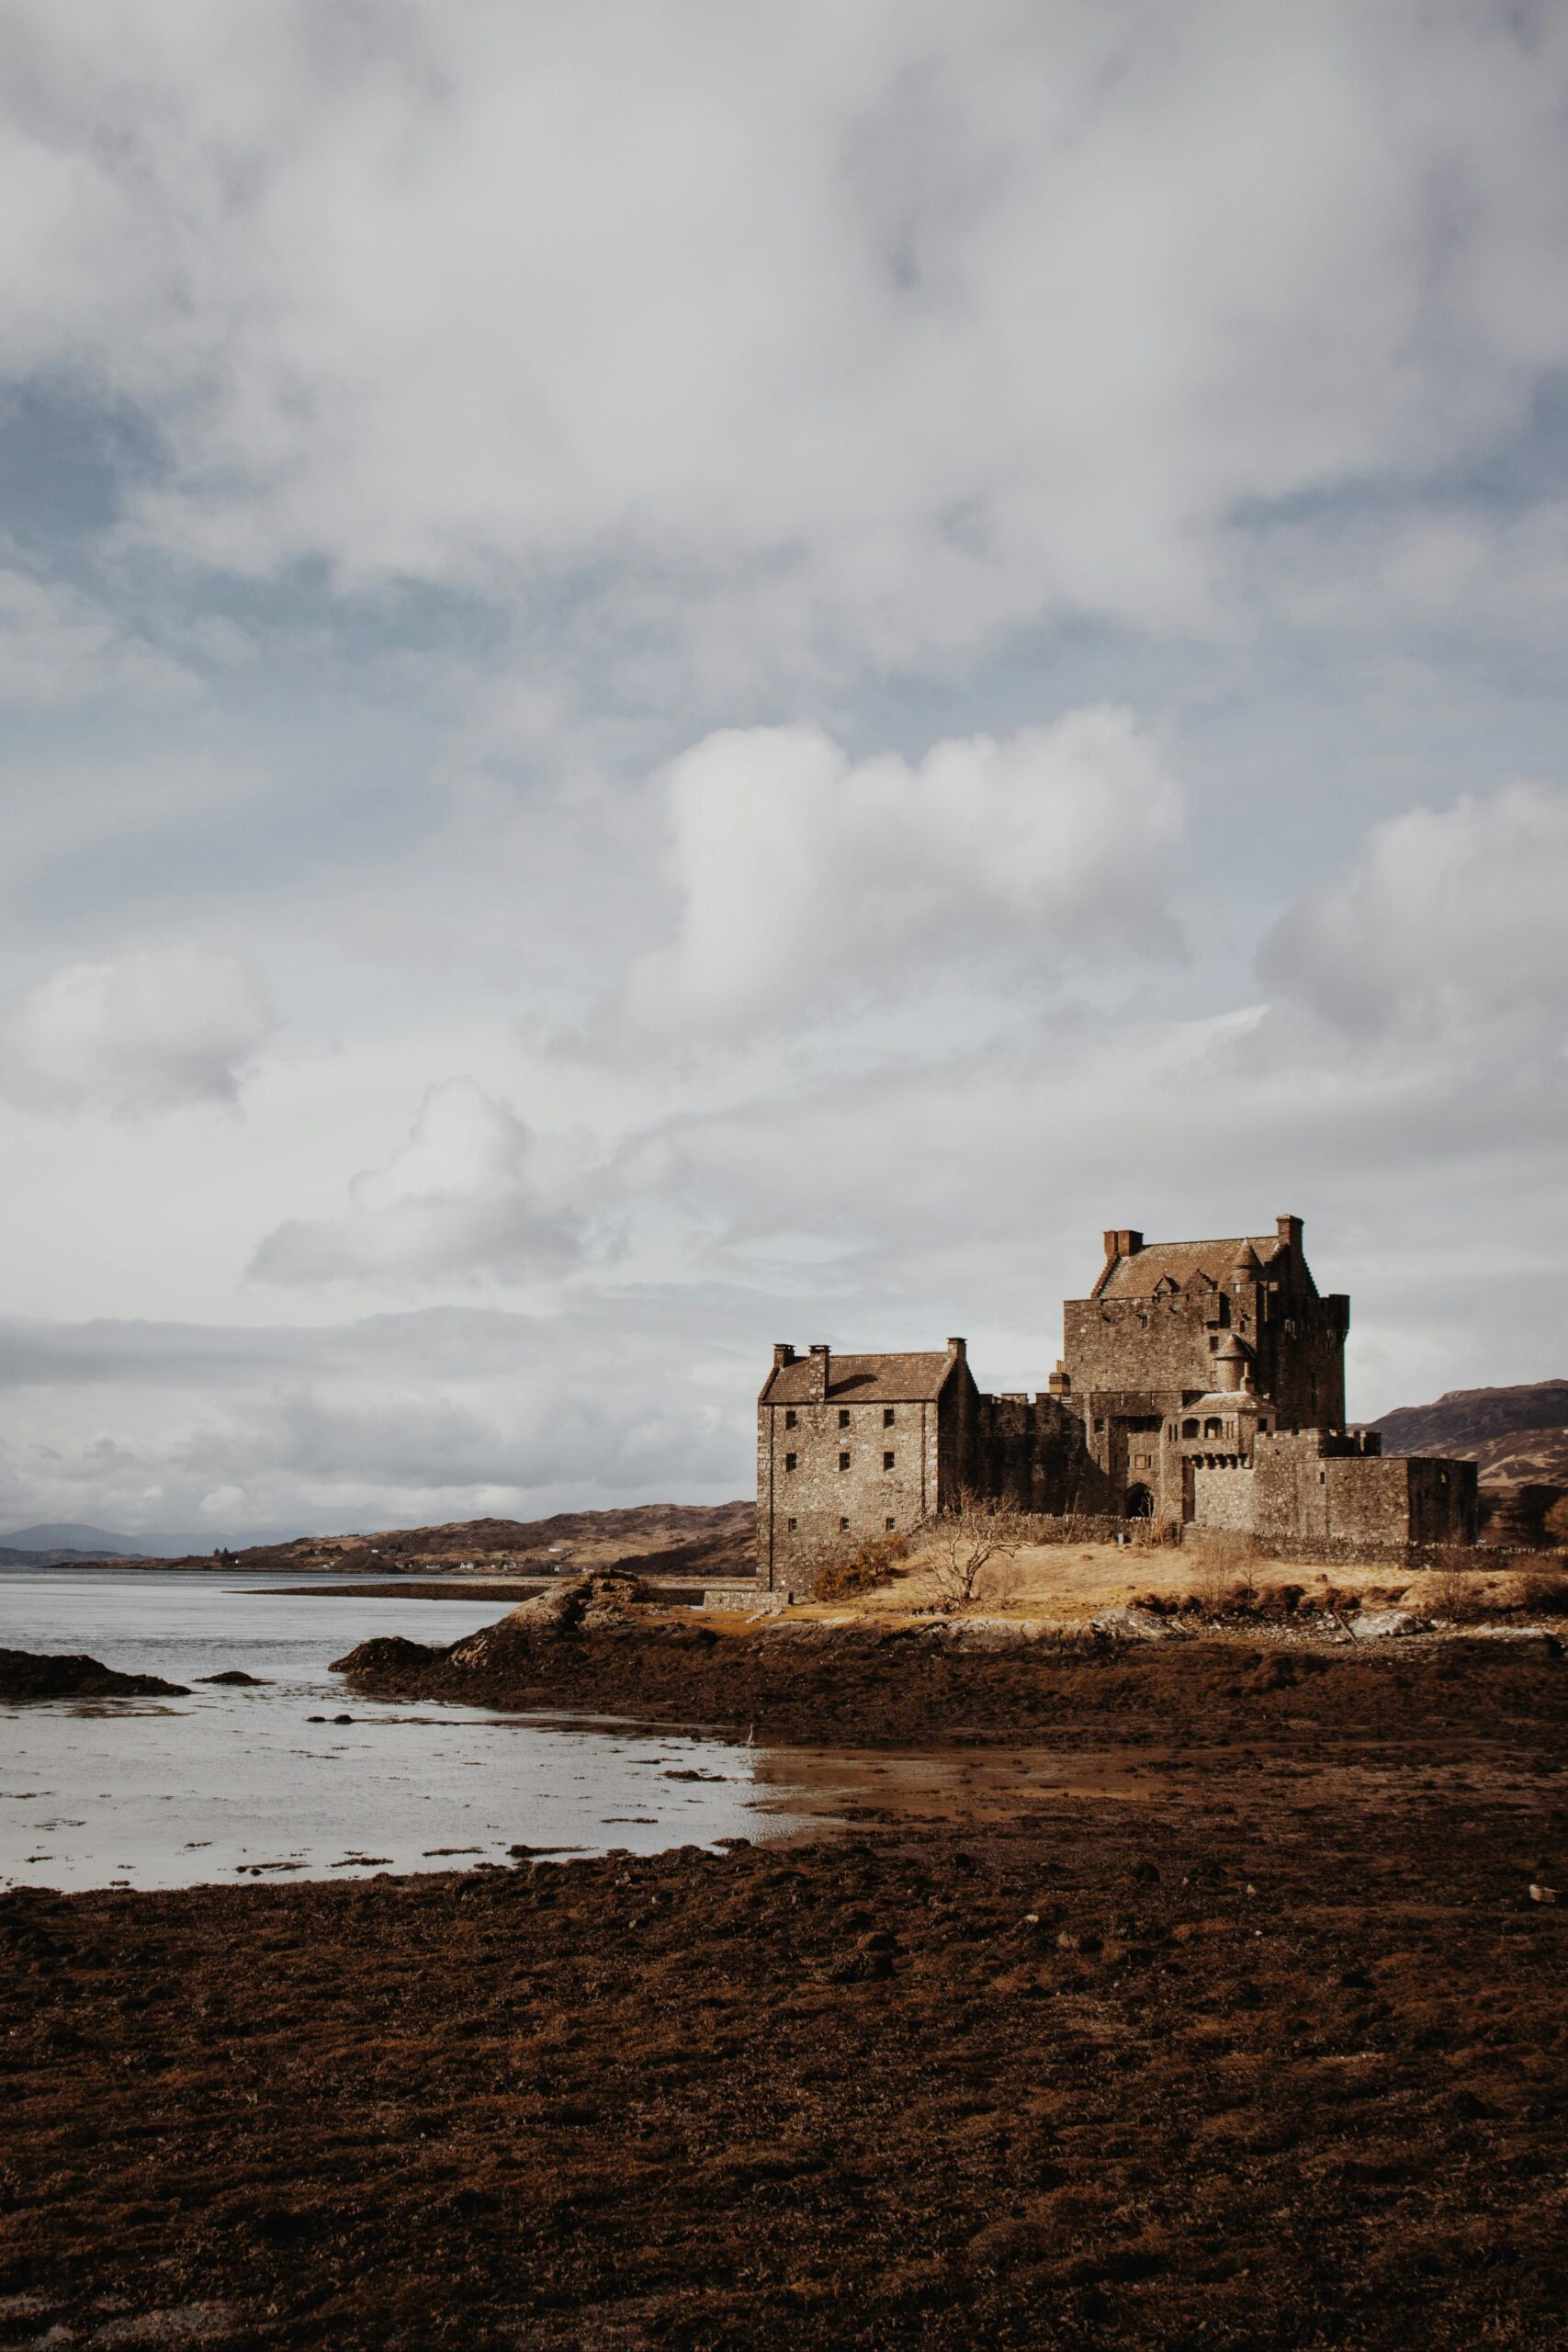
<point>1223,1499</point>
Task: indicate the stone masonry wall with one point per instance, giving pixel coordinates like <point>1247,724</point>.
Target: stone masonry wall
<point>824,1484</point>
<point>1223,1499</point>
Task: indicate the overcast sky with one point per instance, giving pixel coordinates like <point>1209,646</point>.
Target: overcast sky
<point>676,674</point>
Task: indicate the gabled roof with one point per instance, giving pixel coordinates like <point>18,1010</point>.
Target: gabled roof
<point>864,1380</point>
<point>1213,1263</point>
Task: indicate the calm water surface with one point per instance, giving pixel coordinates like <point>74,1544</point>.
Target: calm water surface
<point>226,1782</point>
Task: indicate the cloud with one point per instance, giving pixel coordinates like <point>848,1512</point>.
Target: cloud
<point>398,1419</point>
<point>806,877</point>
<point>1445,919</point>
<point>155,1030</point>
<point>58,646</point>
<point>837,332</point>
<point>473,1190</point>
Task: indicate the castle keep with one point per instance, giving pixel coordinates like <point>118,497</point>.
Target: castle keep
<point>1201,1383</point>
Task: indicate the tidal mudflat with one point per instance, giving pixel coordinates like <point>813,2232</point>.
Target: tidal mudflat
<point>1272,2053</point>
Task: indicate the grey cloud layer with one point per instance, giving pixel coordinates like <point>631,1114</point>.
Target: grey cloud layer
<point>903,328</point>
<point>431,1415</point>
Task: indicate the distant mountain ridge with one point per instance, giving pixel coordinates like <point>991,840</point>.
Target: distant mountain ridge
<point>1517,1437</point>
<point>70,1540</point>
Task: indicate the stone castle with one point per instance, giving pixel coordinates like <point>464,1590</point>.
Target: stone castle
<point>1201,1384</point>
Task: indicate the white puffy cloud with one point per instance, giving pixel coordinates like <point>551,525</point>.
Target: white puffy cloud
<point>872,329</point>
<point>805,875</point>
<point>154,1030</point>
<point>472,1191</point>
<point>1444,920</point>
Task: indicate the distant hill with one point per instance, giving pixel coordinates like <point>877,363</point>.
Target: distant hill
<point>691,1539</point>
<point>1518,1437</point>
<point>80,1543</point>
<point>675,1539</point>
<point>73,1541</point>
<point>53,1557</point>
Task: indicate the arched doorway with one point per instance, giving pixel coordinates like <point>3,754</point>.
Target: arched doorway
<point>1140,1503</point>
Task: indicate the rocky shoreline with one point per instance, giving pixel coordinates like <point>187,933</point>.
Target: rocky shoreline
<point>27,1675</point>
<point>874,1685</point>
<point>1275,2056</point>
<point>1232,2068</point>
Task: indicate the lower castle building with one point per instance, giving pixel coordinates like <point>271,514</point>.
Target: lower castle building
<point>1201,1383</point>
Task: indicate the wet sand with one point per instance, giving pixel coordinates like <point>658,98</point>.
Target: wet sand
<point>1273,2055</point>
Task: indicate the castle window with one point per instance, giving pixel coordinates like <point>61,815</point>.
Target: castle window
<point>843,1527</point>
<point>888,1524</point>
<point>843,1417</point>
<point>791,1418</point>
<point>1189,1429</point>
<point>888,1417</point>
<point>791,1460</point>
<point>843,1461</point>
<point>793,1525</point>
<point>1210,1429</point>
<point>887,1462</point>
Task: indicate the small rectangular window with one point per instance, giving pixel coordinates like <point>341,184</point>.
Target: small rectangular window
<point>793,1525</point>
<point>843,1417</point>
<point>887,1524</point>
<point>791,1418</point>
<point>843,1527</point>
<point>887,1462</point>
<point>790,1461</point>
<point>888,1417</point>
<point>843,1461</point>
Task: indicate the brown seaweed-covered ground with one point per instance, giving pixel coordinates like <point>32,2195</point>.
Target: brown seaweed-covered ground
<point>1276,2058</point>
<point>907,1686</point>
<point>40,1674</point>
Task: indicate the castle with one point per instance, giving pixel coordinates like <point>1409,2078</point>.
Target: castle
<point>1201,1384</point>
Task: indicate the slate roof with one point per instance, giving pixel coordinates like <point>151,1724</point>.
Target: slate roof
<point>864,1380</point>
<point>1137,1276</point>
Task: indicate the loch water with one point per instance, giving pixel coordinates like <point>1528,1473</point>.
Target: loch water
<point>269,1782</point>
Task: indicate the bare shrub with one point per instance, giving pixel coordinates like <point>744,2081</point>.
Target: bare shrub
<point>968,1537</point>
<point>1452,1593</point>
<point>1211,1578</point>
<point>1543,1590</point>
<point>875,1564</point>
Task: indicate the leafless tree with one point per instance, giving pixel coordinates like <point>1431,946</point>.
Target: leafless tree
<point>968,1537</point>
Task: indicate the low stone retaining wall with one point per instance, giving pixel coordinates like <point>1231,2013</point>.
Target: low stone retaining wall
<point>1342,1552</point>
<point>1145,1533</point>
<point>747,1597</point>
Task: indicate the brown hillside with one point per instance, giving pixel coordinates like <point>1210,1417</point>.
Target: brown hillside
<point>1519,1436</point>
<point>675,1539</point>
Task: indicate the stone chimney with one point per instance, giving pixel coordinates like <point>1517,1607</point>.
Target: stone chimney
<point>1124,1242</point>
<point>959,1348</point>
<point>1061,1381</point>
<point>1288,1229</point>
<point>821,1371</point>
<point>783,1352</point>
